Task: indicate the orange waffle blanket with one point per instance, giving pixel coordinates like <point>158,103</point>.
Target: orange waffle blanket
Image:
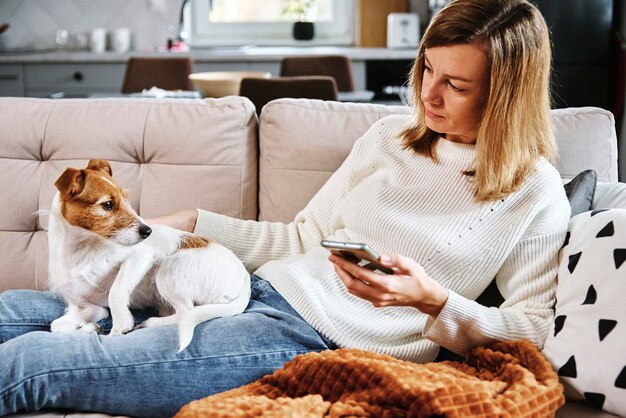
<point>505,379</point>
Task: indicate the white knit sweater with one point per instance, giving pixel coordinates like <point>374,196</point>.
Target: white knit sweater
<point>401,202</point>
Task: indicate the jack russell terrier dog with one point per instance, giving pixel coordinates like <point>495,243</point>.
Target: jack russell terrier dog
<point>102,254</point>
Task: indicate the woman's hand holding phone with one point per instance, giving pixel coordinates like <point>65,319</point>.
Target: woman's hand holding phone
<point>409,285</point>
<point>357,253</point>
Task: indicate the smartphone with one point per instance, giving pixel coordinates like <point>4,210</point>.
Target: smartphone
<point>358,253</point>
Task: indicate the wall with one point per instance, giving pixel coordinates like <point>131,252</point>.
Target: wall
<point>621,18</point>
<point>421,8</point>
<point>33,23</point>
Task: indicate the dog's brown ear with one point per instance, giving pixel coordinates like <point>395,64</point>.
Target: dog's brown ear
<point>71,182</point>
<point>100,165</point>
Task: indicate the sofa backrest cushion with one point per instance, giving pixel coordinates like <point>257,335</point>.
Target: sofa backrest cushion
<point>302,142</point>
<point>170,154</point>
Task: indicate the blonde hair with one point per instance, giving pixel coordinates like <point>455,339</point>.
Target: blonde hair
<point>515,130</point>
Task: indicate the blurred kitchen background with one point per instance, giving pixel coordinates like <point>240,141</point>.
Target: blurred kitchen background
<point>34,23</point>
<point>588,37</point>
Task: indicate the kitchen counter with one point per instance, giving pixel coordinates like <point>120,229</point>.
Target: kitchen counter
<point>210,54</point>
<point>84,73</point>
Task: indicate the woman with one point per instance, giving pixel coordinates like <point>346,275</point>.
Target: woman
<point>462,189</point>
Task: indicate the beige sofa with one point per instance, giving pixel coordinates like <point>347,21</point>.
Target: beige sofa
<point>213,154</point>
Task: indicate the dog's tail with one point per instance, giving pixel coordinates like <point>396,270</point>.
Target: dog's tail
<point>188,320</point>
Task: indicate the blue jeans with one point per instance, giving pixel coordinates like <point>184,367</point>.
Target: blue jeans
<point>140,374</point>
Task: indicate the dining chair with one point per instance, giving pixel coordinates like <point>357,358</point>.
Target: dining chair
<point>171,73</point>
<point>262,90</point>
<point>336,66</point>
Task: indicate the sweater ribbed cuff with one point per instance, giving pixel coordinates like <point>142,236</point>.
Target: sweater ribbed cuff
<point>448,329</point>
<point>210,225</point>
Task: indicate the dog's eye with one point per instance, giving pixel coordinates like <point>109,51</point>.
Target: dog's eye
<point>108,205</point>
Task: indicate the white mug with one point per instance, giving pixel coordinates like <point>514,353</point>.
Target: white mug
<point>98,40</point>
<point>120,39</point>
<point>61,39</point>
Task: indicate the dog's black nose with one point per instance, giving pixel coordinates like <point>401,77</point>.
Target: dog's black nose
<point>145,231</point>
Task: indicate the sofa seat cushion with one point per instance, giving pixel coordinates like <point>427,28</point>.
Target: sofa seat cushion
<point>574,409</point>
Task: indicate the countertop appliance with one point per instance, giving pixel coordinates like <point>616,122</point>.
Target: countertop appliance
<point>403,30</point>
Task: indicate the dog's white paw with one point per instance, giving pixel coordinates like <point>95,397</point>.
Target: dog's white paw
<point>144,324</point>
<point>123,325</point>
<point>90,328</point>
<point>64,326</point>
<point>121,330</point>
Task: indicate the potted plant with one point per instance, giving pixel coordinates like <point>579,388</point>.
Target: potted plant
<point>303,28</point>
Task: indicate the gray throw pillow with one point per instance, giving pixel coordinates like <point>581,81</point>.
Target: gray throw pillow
<point>580,191</point>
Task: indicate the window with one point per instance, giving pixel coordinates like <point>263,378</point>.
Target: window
<point>238,22</point>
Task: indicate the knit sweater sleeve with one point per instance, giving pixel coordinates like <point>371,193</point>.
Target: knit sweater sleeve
<point>256,243</point>
<point>526,280</point>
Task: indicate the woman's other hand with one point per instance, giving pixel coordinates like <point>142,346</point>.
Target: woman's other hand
<point>185,220</point>
<point>408,286</point>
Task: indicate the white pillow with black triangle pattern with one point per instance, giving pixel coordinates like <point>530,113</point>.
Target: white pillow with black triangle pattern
<point>587,343</point>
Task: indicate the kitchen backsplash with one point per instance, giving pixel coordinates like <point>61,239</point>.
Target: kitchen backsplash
<point>34,23</point>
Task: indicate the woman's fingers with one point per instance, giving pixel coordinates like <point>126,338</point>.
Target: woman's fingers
<point>363,290</point>
<point>401,264</point>
<point>364,275</point>
<point>408,286</point>
<point>364,283</point>
<point>354,285</point>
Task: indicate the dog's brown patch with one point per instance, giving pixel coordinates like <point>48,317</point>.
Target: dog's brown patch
<point>193,241</point>
<point>82,194</point>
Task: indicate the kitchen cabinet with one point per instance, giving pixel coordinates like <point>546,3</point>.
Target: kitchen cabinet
<point>11,80</point>
<point>73,80</point>
<point>85,79</point>
<point>372,21</point>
